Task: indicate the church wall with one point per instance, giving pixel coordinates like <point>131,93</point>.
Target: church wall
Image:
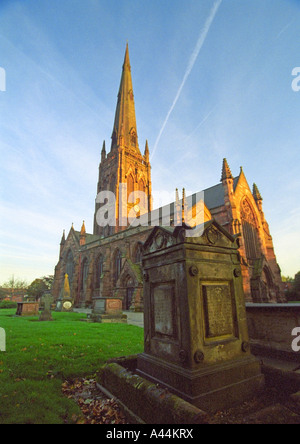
<point>227,216</point>
<point>125,241</point>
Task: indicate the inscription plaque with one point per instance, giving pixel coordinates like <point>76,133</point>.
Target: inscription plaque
<point>218,310</point>
<point>99,306</point>
<point>163,301</point>
<point>113,305</point>
<point>67,305</point>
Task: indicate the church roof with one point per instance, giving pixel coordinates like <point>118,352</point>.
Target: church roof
<point>214,196</point>
<point>89,237</point>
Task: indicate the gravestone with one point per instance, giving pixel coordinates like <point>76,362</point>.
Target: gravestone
<point>99,306</point>
<point>47,301</point>
<point>107,310</point>
<point>196,338</point>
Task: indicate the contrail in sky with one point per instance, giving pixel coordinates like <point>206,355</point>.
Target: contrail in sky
<point>190,66</point>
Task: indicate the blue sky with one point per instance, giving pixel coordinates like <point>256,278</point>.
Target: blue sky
<point>212,79</point>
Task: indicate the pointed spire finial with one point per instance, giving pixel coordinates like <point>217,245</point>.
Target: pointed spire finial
<point>146,153</point>
<point>62,242</point>
<point>226,172</point>
<point>256,193</point>
<point>82,235</point>
<point>183,205</point>
<point>83,230</point>
<point>178,209</point>
<point>103,152</point>
<point>126,58</point>
<point>63,239</point>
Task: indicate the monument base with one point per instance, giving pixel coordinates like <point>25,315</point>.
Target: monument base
<point>141,400</point>
<point>45,316</point>
<point>212,387</point>
<point>107,318</point>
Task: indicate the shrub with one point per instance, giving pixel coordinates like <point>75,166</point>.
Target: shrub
<point>7,304</point>
<point>292,296</point>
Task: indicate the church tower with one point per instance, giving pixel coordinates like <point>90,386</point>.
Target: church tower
<point>124,170</point>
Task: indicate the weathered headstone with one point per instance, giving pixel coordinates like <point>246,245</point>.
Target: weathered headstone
<point>99,306</point>
<point>196,336</point>
<point>46,315</point>
<point>107,310</point>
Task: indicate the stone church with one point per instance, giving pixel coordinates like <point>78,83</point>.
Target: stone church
<point>105,267</point>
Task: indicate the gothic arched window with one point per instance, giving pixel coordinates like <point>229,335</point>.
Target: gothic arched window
<point>143,197</point>
<point>117,265</point>
<point>99,265</point>
<point>133,138</point>
<point>70,266</point>
<point>138,254</point>
<point>129,293</point>
<point>84,273</point>
<point>130,185</point>
<point>250,235</point>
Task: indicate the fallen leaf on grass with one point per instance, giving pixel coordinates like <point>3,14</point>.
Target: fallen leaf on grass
<point>95,407</point>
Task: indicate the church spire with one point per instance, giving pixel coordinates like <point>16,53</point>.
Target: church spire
<point>124,164</point>
<point>124,130</point>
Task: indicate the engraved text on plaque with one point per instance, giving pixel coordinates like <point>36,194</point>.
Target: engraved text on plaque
<point>163,300</point>
<point>218,310</point>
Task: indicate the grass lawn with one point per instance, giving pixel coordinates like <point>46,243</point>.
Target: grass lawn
<point>41,355</point>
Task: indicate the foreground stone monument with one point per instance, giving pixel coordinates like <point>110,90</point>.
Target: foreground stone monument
<point>196,336</point>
